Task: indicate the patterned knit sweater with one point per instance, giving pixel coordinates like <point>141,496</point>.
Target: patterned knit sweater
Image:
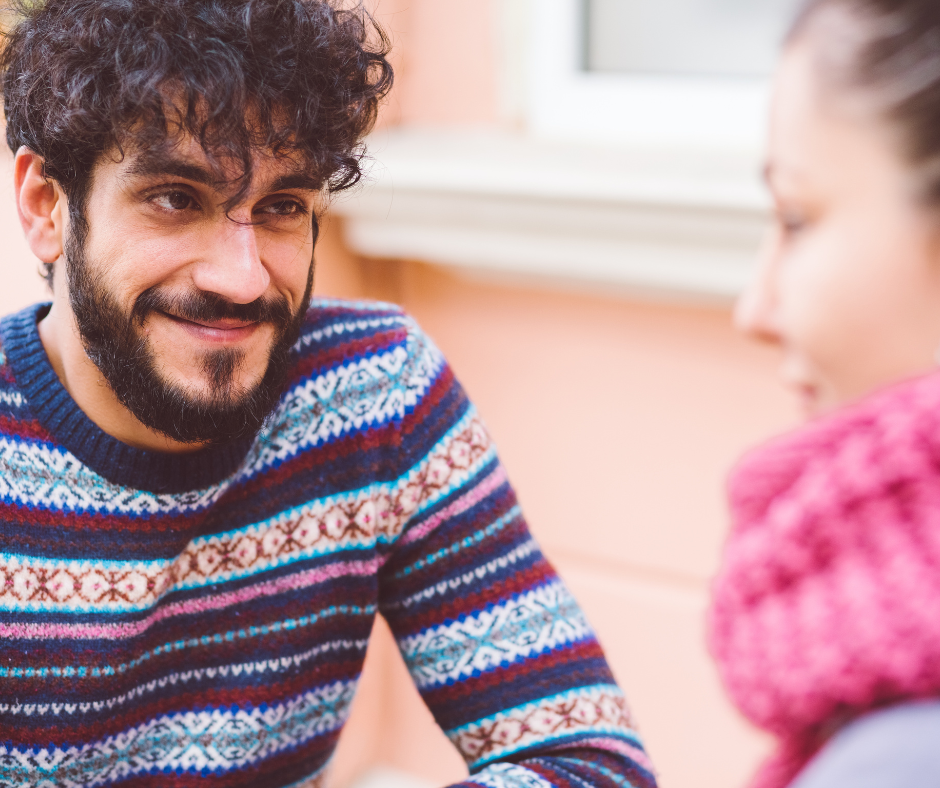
<point>201,619</point>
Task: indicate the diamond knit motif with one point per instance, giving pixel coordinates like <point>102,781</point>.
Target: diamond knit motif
<point>203,618</point>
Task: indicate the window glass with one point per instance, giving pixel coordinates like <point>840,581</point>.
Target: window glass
<point>686,37</point>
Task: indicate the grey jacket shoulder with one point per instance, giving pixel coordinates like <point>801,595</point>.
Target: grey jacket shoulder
<point>898,747</point>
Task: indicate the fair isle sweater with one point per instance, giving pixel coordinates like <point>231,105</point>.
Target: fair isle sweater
<point>201,619</point>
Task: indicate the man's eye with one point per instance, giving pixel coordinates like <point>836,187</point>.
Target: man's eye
<point>284,208</point>
<point>173,201</point>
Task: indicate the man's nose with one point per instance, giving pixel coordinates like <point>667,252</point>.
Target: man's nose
<point>233,267</point>
<point>756,312</point>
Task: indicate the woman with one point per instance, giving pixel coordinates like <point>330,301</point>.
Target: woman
<point>826,615</point>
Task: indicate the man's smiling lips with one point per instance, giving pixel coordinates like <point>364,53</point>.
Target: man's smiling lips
<point>226,331</point>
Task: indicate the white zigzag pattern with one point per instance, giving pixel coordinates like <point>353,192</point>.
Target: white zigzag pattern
<point>347,399</point>
<point>218,739</point>
<point>369,374</point>
<point>34,474</point>
<point>469,578</point>
<point>349,326</point>
<point>13,398</point>
<point>528,624</point>
<point>508,775</point>
<point>370,391</point>
<point>183,678</point>
<point>325,302</point>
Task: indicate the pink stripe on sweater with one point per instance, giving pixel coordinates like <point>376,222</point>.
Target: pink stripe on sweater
<point>471,499</point>
<point>218,602</point>
<point>621,748</point>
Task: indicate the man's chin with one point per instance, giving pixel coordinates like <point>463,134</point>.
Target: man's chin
<point>200,391</point>
<point>199,396</point>
<point>206,418</point>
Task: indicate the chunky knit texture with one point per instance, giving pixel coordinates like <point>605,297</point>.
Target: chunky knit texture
<point>202,619</point>
<point>827,603</point>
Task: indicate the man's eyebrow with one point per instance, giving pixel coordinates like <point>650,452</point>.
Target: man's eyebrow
<point>296,180</point>
<point>155,164</point>
<point>151,164</point>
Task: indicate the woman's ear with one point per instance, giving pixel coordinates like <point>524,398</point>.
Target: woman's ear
<point>41,204</point>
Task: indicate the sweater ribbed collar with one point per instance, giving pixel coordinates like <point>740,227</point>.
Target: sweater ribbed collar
<point>54,408</point>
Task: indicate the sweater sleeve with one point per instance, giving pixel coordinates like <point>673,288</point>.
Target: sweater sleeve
<point>496,644</point>
<point>893,748</point>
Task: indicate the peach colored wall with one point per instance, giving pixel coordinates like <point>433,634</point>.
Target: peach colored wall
<point>445,63</point>
<point>617,421</point>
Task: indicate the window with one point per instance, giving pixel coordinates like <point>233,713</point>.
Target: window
<point>670,203</point>
<point>664,73</point>
<point>719,38</point>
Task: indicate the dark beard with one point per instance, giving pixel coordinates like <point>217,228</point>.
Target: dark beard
<point>115,343</point>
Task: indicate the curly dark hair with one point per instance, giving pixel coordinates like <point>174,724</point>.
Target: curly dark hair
<point>299,78</point>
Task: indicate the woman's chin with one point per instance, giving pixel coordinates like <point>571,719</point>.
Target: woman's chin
<point>811,405</point>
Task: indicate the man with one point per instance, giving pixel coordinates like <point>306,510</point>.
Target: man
<point>212,484</point>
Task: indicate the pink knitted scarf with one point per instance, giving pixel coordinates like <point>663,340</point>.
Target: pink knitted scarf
<point>828,601</point>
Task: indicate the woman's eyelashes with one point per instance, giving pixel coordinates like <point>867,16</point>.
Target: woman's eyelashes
<point>791,221</point>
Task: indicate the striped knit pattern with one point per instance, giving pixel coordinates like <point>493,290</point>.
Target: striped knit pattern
<point>202,619</point>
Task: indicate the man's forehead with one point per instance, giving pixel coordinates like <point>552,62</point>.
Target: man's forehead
<point>188,160</point>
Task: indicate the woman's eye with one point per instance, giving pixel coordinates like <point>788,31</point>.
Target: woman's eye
<point>791,223</point>
<point>173,201</point>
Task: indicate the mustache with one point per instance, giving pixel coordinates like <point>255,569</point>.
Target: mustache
<point>200,306</point>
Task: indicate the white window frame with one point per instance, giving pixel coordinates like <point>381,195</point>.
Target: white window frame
<point>565,102</point>
<point>668,203</point>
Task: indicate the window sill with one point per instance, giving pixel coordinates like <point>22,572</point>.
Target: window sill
<point>672,221</point>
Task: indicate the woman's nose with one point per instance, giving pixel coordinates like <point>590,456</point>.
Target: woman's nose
<point>756,312</point>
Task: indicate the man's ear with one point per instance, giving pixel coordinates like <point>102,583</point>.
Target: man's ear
<point>41,205</point>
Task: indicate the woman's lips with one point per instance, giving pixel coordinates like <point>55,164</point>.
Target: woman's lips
<point>809,399</point>
<point>798,377</point>
<point>807,395</point>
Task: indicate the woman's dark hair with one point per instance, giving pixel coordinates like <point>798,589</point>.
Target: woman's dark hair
<point>298,78</point>
<point>889,50</point>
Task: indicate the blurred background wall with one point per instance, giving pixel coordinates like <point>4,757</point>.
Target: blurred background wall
<point>569,218</point>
